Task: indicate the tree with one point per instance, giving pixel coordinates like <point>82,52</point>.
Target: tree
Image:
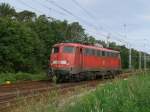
<point>20,47</point>
<point>26,16</point>
<point>6,10</point>
<point>74,30</point>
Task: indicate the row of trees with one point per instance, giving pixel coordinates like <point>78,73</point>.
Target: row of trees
<point>26,40</point>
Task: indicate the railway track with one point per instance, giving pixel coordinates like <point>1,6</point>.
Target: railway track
<point>11,93</point>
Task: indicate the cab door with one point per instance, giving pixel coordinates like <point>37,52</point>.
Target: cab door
<point>78,60</point>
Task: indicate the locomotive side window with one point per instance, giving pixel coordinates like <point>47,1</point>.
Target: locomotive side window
<point>84,51</point>
<point>99,53</point>
<point>68,49</point>
<point>90,52</point>
<point>114,54</point>
<point>93,52</point>
<point>87,51</point>
<point>103,53</point>
<point>55,50</point>
<point>110,54</point>
<point>106,53</point>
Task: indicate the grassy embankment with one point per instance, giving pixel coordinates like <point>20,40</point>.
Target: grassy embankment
<point>129,95</point>
<point>15,77</point>
<point>132,95</point>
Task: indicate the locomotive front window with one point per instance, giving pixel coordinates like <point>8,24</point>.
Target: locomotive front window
<point>55,50</point>
<point>68,49</point>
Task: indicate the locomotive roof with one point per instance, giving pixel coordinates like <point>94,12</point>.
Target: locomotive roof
<point>87,46</point>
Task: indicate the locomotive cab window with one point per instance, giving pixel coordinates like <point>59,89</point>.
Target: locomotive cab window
<point>68,49</point>
<point>55,50</point>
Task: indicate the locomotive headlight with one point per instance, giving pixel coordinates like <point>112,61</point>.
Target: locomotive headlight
<point>55,62</point>
<point>63,62</point>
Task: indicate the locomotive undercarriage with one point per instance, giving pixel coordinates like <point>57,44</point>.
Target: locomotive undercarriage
<point>59,76</point>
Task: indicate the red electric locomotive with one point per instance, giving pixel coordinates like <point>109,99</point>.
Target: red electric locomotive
<point>76,61</point>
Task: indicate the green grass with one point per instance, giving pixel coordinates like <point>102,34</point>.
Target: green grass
<point>20,76</point>
<point>132,95</point>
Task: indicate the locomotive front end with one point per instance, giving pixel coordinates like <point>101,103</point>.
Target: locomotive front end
<point>61,61</point>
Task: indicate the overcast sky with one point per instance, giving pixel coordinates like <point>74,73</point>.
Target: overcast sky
<point>116,18</point>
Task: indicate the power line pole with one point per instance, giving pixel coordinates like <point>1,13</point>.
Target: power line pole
<point>145,55</point>
<point>130,57</point>
<point>108,37</point>
<point>130,50</point>
<point>145,61</point>
<point>139,60</point>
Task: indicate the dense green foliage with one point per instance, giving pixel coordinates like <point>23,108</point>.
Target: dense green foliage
<point>26,40</point>
<point>122,96</point>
